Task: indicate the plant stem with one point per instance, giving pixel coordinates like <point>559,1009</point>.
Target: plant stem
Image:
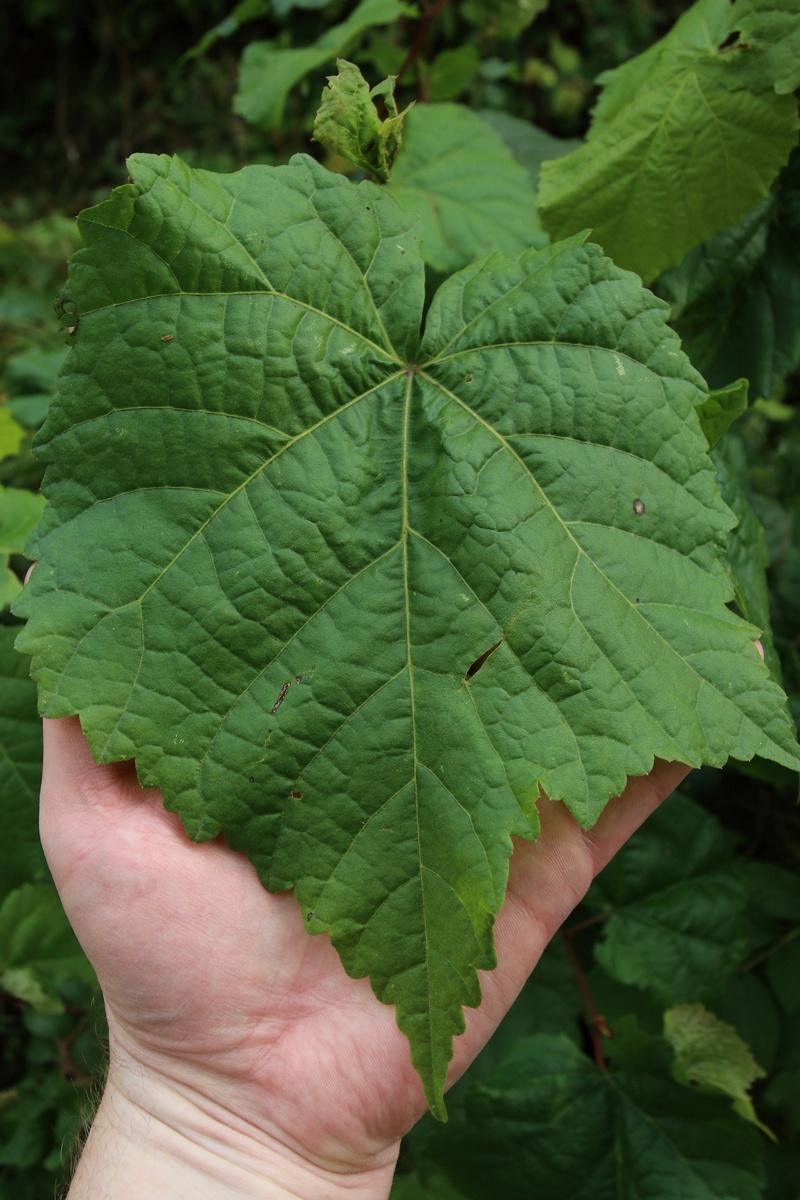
<point>597,1022</point>
<point>419,38</point>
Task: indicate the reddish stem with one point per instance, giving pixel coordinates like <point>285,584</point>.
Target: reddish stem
<point>597,1022</point>
<point>422,32</point>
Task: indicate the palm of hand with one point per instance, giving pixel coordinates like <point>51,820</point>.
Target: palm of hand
<point>212,983</point>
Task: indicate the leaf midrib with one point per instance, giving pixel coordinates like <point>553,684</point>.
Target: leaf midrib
<point>404,535</point>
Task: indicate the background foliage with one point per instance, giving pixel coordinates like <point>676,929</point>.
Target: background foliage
<point>687,948</point>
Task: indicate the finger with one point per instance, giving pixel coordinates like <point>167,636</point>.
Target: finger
<point>623,815</point>
<point>70,771</point>
<point>79,797</point>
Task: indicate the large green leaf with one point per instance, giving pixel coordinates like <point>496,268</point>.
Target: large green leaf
<point>685,139</point>
<point>21,858</point>
<point>354,599</point>
<point>269,71</point>
<point>551,1125</point>
<point>461,180</point>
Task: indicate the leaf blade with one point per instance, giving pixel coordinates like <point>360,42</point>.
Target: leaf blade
<point>281,538</point>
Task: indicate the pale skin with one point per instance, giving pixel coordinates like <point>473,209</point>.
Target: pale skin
<point>243,1061</point>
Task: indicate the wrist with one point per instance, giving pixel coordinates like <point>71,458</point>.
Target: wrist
<point>155,1137</point>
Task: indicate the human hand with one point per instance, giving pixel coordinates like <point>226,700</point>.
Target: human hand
<point>243,1061</point>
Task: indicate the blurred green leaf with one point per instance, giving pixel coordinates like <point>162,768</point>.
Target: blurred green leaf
<point>774,890</point>
<point>462,181</point>
<point>20,513</point>
<point>21,858</point>
<point>551,1125</point>
<point>503,18</point>
<point>269,72</point>
<point>433,1187</point>
<point>681,146</point>
<point>452,72</point>
<point>736,298</point>
<point>774,27</point>
<point>11,433</point>
<point>782,1091</point>
<point>783,972</point>
<point>247,10</point>
<point>38,949</point>
<point>30,411</point>
<point>677,903</point>
<point>19,306</point>
<point>529,145</point>
<point>33,370</point>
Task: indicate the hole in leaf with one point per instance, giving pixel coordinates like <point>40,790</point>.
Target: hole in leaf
<point>476,666</point>
<point>638,507</point>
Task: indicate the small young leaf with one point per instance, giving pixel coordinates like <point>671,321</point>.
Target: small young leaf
<point>282,528</point>
<point>710,1054</point>
<point>347,121</point>
<point>682,144</point>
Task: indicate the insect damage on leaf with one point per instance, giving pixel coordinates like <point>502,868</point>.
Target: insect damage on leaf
<point>311,480</point>
<point>473,668</point>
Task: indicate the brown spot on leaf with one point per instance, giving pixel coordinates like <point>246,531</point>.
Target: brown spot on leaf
<point>638,506</point>
<point>296,795</point>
